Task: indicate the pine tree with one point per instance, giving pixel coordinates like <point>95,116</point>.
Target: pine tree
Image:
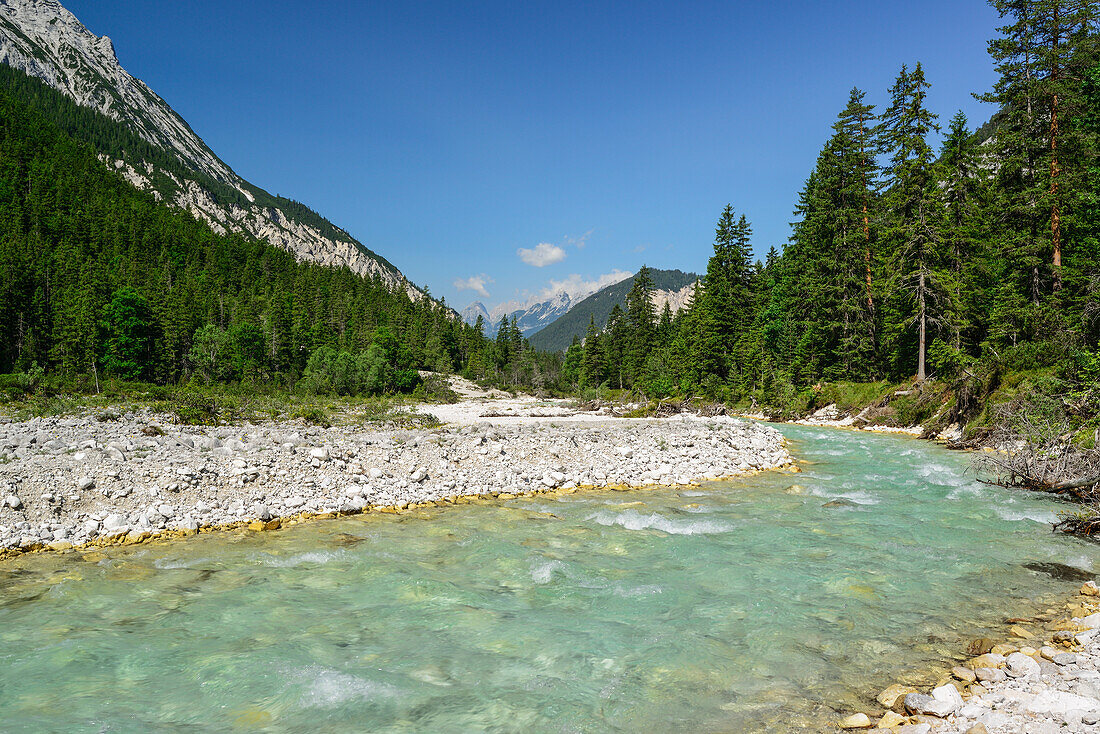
<point>911,202</point>
<point>591,373</point>
<point>1039,87</point>
<point>640,324</point>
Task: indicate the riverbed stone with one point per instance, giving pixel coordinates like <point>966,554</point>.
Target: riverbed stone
<point>920,728</point>
<point>1018,665</point>
<point>989,660</point>
<point>920,703</point>
<point>893,695</point>
<point>856,721</point>
<point>890,720</point>
<point>963,674</point>
<point>990,675</point>
<point>948,694</point>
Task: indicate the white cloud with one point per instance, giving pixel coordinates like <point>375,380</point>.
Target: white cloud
<point>578,242</point>
<point>475,283</point>
<point>577,285</point>
<point>541,255</point>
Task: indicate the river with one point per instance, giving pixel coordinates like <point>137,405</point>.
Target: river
<point>737,606</point>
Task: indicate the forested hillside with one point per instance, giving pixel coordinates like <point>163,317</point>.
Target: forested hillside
<point>97,277</point>
<point>958,261</point>
<point>598,307</point>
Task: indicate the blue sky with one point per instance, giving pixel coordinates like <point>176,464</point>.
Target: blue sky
<point>451,137</point>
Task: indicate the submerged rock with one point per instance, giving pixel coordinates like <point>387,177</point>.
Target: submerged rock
<point>855,721</point>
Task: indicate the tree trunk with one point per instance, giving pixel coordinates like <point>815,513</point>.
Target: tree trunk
<point>1055,219</point>
<point>921,374</point>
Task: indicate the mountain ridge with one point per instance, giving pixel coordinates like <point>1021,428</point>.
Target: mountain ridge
<point>42,39</point>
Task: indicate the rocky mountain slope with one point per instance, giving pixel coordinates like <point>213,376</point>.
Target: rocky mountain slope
<point>45,40</point>
<point>531,318</point>
<point>674,287</point>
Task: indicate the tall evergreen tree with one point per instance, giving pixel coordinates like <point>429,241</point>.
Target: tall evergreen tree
<point>913,209</point>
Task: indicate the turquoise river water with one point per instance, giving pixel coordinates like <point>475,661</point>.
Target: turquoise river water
<point>737,606</point>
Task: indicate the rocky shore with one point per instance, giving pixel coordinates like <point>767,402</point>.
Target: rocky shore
<point>1044,680</point>
<point>69,481</point>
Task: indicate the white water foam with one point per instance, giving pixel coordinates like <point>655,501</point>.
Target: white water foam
<point>315,557</point>
<point>859,496</point>
<point>942,475</point>
<point>170,563</point>
<point>632,520</point>
<point>329,688</point>
<point>544,572</point>
<point>1039,516</point>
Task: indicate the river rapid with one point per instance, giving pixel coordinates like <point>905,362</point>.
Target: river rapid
<point>762,604</point>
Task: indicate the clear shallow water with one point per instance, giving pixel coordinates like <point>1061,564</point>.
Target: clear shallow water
<point>733,607</point>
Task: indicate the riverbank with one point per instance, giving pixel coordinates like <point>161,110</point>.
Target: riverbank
<point>68,481</point>
<point>1043,679</point>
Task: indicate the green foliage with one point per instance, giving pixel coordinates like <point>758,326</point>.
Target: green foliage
<point>99,279</point>
<point>314,416</point>
<point>127,323</point>
<point>384,367</point>
<point>968,268</point>
<point>191,408</point>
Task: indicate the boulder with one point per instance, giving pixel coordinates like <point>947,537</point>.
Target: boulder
<point>919,703</point>
<point>948,694</point>
<point>990,675</point>
<point>1091,622</point>
<point>1019,665</point>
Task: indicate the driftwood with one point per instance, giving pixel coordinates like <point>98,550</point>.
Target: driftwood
<point>1038,454</point>
<point>1077,483</point>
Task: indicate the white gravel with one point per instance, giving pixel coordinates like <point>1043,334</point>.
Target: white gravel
<point>74,479</point>
<point>1047,684</point>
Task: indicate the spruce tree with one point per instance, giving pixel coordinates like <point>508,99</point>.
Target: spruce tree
<point>912,205</point>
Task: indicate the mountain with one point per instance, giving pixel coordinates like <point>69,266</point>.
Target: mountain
<point>541,314</point>
<point>44,40</point>
<point>672,286</point>
<point>533,316</point>
<point>529,319</point>
<point>100,279</point>
<point>475,309</point>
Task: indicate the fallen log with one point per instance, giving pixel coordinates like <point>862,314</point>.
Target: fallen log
<point>1077,483</point>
